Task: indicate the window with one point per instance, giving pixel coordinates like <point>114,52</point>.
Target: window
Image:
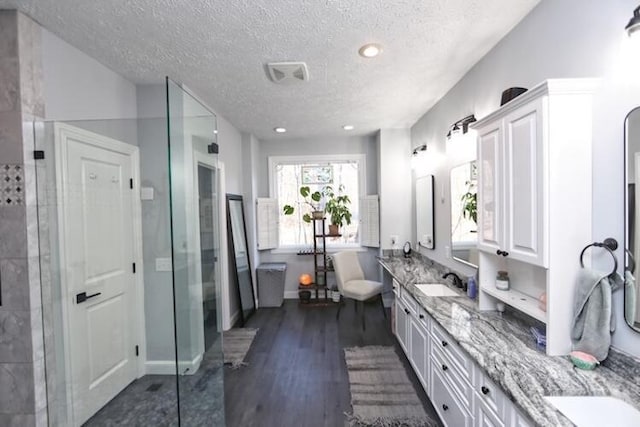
<point>288,174</point>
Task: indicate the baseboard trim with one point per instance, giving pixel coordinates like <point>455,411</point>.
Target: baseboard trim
<point>168,367</point>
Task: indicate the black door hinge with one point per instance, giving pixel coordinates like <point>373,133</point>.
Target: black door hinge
<point>38,154</point>
<point>137,351</point>
<point>131,183</point>
<point>134,267</point>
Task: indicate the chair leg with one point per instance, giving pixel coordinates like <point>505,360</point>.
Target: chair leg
<point>339,307</point>
<point>364,328</point>
<point>382,305</point>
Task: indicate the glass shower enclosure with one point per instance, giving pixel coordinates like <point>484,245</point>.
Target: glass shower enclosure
<point>129,229</point>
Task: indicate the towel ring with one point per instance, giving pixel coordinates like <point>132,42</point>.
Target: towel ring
<point>610,245</point>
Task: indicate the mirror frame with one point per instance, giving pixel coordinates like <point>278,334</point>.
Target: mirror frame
<point>233,268</point>
<point>627,254</point>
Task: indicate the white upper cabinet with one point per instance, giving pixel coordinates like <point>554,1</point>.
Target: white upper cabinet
<point>534,201</point>
<point>490,198</point>
<point>511,196</point>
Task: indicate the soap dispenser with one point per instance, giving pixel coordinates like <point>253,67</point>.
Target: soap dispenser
<point>472,287</point>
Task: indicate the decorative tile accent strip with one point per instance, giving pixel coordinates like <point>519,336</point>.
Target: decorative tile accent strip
<point>11,185</point>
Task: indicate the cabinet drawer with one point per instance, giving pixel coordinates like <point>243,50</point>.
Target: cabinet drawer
<point>447,345</point>
<point>411,303</point>
<point>489,393</point>
<point>451,412</point>
<point>452,377</point>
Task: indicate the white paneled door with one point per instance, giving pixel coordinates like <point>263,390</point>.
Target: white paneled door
<point>98,266</point>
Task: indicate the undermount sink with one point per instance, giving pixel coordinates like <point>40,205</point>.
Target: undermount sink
<point>436,290</point>
<point>596,411</point>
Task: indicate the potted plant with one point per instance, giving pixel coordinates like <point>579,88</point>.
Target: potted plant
<point>337,209</point>
<point>311,199</point>
<point>470,202</point>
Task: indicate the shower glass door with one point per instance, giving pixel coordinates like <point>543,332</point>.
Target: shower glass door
<point>195,238</point>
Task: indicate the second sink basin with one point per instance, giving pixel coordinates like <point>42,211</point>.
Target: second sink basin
<point>596,411</point>
<point>436,290</point>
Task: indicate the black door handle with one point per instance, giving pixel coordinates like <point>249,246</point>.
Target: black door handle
<point>505,253</point>
<point>484,389</point>
<point>406,311</point>
<point>82,296</point>
<point>422,316</point>
<point>498,252</point>
<point>444,367</point>
<point>444,343</point>
<point>445,407</point>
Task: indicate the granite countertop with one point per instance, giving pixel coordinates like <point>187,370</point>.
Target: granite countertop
<point>503,347</point>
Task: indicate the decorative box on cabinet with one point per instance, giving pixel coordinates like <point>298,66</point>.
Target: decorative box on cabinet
<point>534,201</point>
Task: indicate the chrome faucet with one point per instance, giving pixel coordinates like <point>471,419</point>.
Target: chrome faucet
<point>457,281</point>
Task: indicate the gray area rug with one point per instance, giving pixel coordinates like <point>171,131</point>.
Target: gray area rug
<point>381,392</point>
<point>236,343</point>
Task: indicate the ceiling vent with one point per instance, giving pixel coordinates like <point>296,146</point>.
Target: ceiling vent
<point>288,72</point>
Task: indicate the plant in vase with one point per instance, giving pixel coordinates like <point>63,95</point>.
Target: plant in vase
<point>337,209</point>
<point>311,199</point>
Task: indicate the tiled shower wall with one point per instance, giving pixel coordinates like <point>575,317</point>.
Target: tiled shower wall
<point>23,393</point>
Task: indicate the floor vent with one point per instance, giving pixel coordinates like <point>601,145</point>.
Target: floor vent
<point>288,72</point>
<point>154,387</point>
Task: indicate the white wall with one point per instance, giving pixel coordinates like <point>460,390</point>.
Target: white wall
<point>559,38</point>
<point>77,87</point>
<point>394,183</point>
<point>366,145</point>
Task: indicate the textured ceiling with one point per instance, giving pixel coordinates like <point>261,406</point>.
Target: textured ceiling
<point>219,49</point>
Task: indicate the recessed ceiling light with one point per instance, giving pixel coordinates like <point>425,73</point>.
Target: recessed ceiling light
<point>280,130</point>
<point>348,127</point>
<point>370,50</point>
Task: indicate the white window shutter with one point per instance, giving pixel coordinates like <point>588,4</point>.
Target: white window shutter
<point>370,221</point>
<point>267,218</point>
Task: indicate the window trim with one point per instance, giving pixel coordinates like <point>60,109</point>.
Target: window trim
<point>359,158</point>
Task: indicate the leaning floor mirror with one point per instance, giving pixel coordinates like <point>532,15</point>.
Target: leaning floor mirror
<point>239,263</point>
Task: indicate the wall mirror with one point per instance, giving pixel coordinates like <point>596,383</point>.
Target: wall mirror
<point>425,212</point>
<point>464,214</point>
<point>632,229</point>
<point>239,263</point>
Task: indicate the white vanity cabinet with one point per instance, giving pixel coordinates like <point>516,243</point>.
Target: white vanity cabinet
<point>534,201</point>
<point>462,395</point>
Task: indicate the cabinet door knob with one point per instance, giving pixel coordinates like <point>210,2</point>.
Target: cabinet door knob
<point>406,311</point>
<point>445,407</point>
<point>444,367</point>
<point>498,252</point>
<point>484,390</point>
<point>505,253</point>
<point>422,316</point>
<point>444,343</point>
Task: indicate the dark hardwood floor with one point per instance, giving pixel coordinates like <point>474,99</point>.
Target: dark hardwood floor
<point>297,374</point>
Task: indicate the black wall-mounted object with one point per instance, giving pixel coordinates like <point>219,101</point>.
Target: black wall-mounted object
<point>38,154</point>
<point>213,148</point>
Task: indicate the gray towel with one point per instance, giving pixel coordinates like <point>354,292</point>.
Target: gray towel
<point>592,314</point>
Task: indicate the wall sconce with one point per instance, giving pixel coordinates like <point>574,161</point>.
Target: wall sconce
<point>418,156</point>
<point>633,27</point>
<point>460,127</point>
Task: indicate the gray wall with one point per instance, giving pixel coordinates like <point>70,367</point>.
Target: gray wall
<point>559,38</point>
<point>77,87</point>
<point>366,145</point>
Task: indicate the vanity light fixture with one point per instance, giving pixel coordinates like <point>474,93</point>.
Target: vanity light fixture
<point>419,149</point>
<point>460,127</point>
<point>418,157</point>
<point>633,26</point>
<point>370,50</point>
<point>348,127</point>
<point>279,130</point>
